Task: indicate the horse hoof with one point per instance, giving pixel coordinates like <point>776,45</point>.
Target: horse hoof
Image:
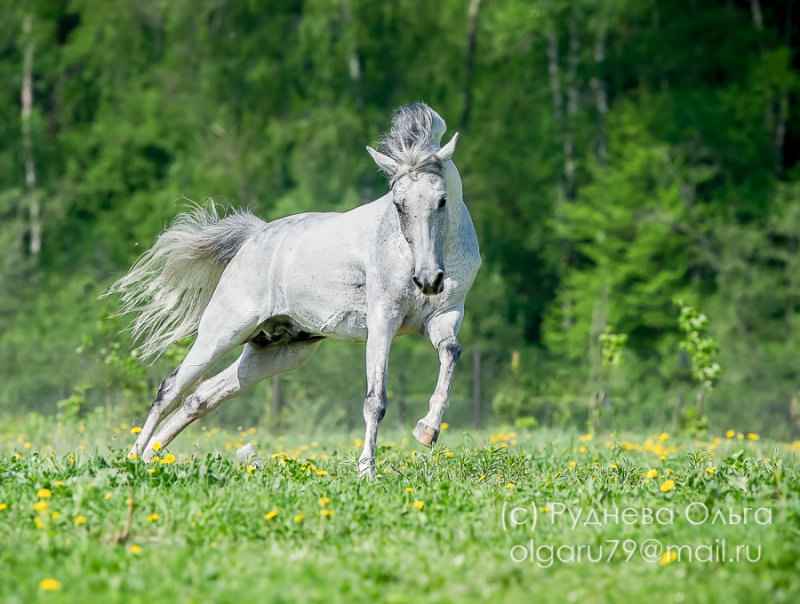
<point>425,434</point>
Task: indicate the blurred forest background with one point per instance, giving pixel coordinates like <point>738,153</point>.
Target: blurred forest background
<point>616,155</point>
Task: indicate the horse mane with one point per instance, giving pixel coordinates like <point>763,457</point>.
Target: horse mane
<point>413,140</point>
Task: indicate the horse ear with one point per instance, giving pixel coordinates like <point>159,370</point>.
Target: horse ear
<point>446,152</point>
<point>385,163</point>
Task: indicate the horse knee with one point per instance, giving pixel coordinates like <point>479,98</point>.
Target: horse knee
<point>451,347</point>
<point>374,408</point>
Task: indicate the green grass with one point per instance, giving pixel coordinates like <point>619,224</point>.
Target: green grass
<point>211,541</point>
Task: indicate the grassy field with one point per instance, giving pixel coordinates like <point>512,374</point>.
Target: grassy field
<point>455,524</point>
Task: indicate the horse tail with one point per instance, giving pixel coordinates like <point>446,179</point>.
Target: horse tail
<point>170,285</point>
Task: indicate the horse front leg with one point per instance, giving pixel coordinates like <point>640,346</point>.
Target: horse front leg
<point>442,330</point>
<point>379,340</point>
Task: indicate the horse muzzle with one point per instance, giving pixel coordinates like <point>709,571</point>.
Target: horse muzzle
<point>429,282</point>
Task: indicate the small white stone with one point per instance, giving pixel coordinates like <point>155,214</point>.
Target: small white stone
<point>248,454</point>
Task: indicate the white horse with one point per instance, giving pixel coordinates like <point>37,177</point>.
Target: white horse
<point>401,264</point>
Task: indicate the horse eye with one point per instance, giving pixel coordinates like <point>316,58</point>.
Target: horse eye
<point>442,201</point>
<point>399,208</point>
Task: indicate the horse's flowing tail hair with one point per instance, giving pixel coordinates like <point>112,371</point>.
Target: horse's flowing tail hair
<point>170,285</point>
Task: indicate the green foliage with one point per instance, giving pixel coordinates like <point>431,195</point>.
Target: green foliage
<point>612,345</point>
<point>700,347</point>
<point>679,120</point>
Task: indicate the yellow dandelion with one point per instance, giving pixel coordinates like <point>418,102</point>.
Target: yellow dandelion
<point>107,496</point>
<point>40,505</point>
<point>667,485</point>
<point>664,436</point>
<point>44,493</point>
<point>156,446</point>
<point>49,585</point>
<point>448,454</point>
<point>652,473</point>
<point>38,522</point>
<point>418,504</point>
<point>327,513</point>
<point>322,472</point>
<point>3,506</point>
<point>133,456</point>
<point>740,436</point>
<point>613,466</point>
<point>572,465</point>
<point>151,470</point>
<point>59,483</point>
<point>134,549</point>
<point>299,517</point>
<point>752,436</point>
<point>668,557</point>
<point>169,459</point>
<point>510,485</point>
<point>730,434</point>
<point>711,470</point>
<point>545,509</point>
<point>80,520</point>
<point>409,489</point>
<point>136,430</point>
<point>586,438</point>
<point>444,426</point>
<point>270,515</point>
<point>153,517</point>
<point>582,450</point>
<point>251,469</point>
<point>55,514</point>
<point>323,501</point>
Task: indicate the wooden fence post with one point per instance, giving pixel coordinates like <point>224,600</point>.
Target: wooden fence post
<point>476,388</point>
<point>276,402</point>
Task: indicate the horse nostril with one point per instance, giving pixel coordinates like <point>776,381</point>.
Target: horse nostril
<point>438,282</point>
<point>417,282</point>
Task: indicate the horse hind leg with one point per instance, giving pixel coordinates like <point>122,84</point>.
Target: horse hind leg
<point>256,363</point>
<point>211,345</point>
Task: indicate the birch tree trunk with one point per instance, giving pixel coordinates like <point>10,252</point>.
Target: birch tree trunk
<point>783,103</point>
<point>357,86</point>
<point>776,113</point>
<point>26,98</point>
<point>469,59</point>
<point>572,110</point>
<point>554,73</point>
<point>599,86</point>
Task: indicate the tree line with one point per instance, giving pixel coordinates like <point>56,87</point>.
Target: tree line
<point>616,156</point>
